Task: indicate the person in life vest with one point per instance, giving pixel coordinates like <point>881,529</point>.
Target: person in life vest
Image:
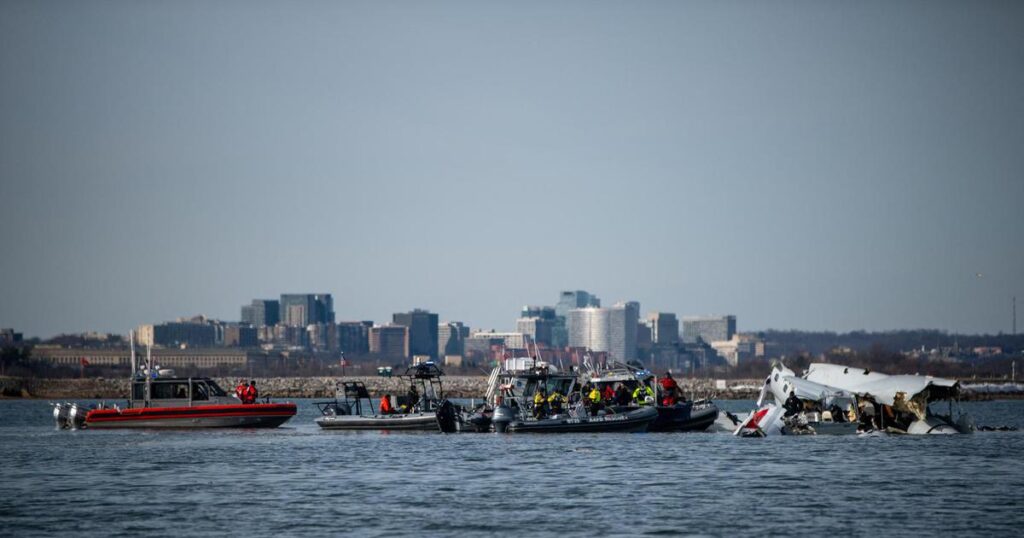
<point>608,393</point>
<point>594,399</point>
<point>385,405</point>
<point>643,395</point>
<point>555,402</point>
<point>669,390</point>
<point>538,403</point>
<point>240,390</point>
<point>250,393</point>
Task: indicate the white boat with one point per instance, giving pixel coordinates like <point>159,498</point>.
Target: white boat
<point>417,409</point>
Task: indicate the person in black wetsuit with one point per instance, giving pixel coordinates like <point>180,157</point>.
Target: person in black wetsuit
<point>793,404</point>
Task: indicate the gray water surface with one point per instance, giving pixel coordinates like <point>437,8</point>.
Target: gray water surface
<point>298,480</point>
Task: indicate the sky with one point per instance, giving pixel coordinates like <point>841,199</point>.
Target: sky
<point>808,165</point>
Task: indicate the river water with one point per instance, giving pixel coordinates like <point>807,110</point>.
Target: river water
<point>297,480</point>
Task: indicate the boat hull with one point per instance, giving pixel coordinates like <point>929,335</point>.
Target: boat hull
<point>209,416</point>
<point>685,418</point>
<point>416,422</point>
<point>636,420</point>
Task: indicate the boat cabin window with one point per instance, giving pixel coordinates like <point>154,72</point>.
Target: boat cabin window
<point>175,390</point>
<point>199,391</point>
<point>213,388</point>
<point>562,385</point>
<point>162,390</point>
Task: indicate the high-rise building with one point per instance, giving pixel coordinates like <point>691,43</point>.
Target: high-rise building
<point>240,336</point>
<point>539,329</point>
<point>569,300</point>
<point>612,330</point>
<point>622,324</point>
<point>422,331</point>
<point>301,310</point>
<point>708,328</point>
<point>354,337</point>
<point>262,313</point>
<point>588,328</point>
<point>191,333</point>
<point>664,328</point>
<point>510,341</point>
<point>542,312</point>
<point>451,338</point>
<point>391,341</point>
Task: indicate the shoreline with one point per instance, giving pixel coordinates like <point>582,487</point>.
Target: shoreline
<point>15,388</point>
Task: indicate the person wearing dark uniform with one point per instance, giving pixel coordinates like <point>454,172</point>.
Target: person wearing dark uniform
<point>622,395</point>
<point>793,404</point>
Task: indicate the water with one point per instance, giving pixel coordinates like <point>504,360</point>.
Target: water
<point>299,480</point>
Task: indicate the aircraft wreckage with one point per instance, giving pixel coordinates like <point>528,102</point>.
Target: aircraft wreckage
<point>835,399</point>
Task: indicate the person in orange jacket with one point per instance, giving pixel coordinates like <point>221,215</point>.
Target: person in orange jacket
<point>608,394</point>
<point>669,390</point>
<point>385,405</point>
<point>251,393</point>
<point>240,390</point>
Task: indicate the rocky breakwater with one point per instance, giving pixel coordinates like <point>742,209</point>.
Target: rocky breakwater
<point>324,387</point>
<point>275,387</point>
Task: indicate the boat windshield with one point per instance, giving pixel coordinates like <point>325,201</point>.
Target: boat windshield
<point>215,389</point>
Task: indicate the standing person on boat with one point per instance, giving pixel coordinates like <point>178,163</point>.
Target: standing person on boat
<point>240,390</point>
<point>608,393</point>
<point>385,405</point>
<point>538,403</point>
<point>793,404</point>
<point>251,393</point>
<point>643,395</point>
<point>622,396</point>
<point>669,390</point>
<point>594,400</point>
<point>555,402</point>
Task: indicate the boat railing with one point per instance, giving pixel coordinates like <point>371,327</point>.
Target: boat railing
<point>492,384</point>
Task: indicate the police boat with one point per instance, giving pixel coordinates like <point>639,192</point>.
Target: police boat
<point>680,415</point>
<point>158,399</point>
<point>512,404</point>
<point>416,410</point>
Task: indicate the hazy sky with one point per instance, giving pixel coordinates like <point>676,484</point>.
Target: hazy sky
<point>814,165</point>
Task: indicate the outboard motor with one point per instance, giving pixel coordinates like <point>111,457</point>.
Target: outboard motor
<point>76,416</point>
<point>60,415</point>
<point>447,417</point>
<point>503,416</point>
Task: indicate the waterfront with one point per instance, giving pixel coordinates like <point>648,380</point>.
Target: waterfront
<point>299,480</point>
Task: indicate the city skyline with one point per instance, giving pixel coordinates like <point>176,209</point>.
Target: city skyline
<point>811,166</point>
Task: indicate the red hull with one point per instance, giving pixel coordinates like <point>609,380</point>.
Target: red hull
<point>201,416</point>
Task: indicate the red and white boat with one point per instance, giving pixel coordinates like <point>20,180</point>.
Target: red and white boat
<point>189,403</point>
<point>165,401</point>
